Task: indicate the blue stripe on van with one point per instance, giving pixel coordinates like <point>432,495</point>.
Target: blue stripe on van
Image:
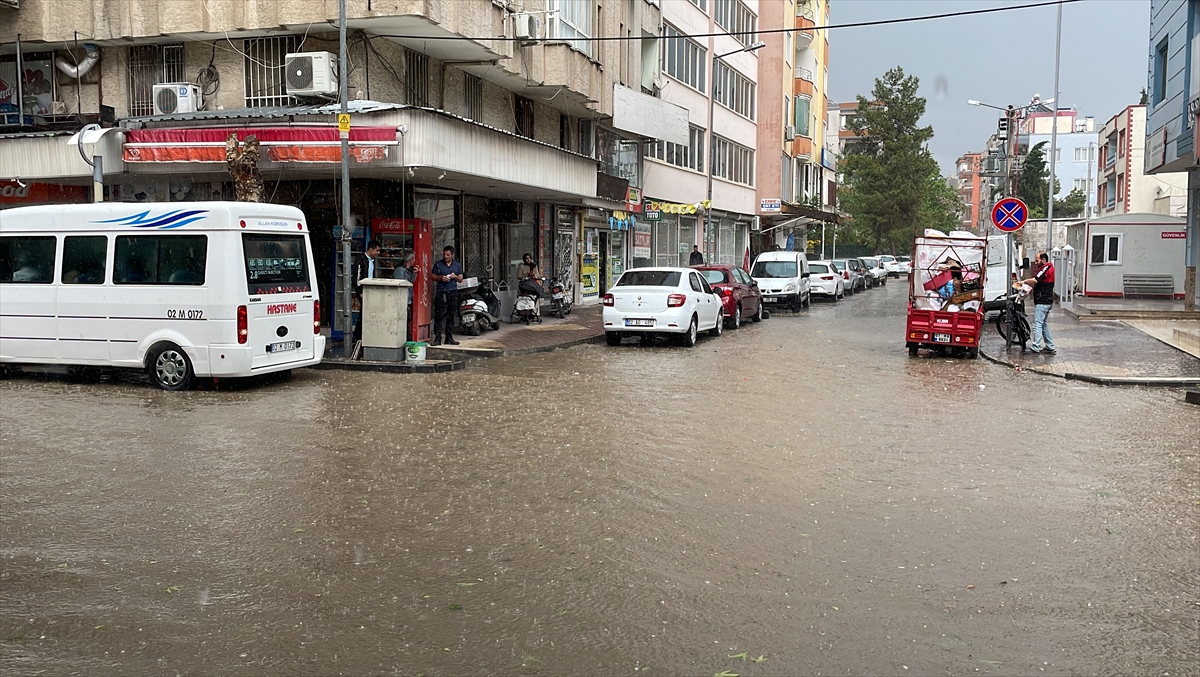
<point>172,219</point>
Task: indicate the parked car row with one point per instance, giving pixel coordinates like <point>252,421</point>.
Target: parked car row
<point>679,303</point>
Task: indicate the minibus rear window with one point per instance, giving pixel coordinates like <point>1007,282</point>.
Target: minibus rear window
<point>27,259</point>
<point>275,264</point>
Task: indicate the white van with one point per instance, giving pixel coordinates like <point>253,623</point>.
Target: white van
<point>1001,255</point>
<point>782,278</point>
<point>221,289</point>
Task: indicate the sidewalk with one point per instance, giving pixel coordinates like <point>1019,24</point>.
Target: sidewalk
<point>1106,351</point>
<point>583,325</point>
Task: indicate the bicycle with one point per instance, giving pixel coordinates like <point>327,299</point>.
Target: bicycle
<point>1014,306</point>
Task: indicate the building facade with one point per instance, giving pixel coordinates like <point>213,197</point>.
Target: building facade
<point>1075,152</point>
<point>969,186</point>
<point>1123,186</point>
<point>1173,113</point>
<point>797,189</point>
<point>511,131</point>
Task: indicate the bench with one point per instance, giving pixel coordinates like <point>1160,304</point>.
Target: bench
<point>1148,285</point>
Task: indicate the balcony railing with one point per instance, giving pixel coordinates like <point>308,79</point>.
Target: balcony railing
<point>804,74</point>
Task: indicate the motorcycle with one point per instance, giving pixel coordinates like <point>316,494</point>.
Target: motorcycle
<point>529,294</point>
<point>560,300</point>
<point>478,306</point>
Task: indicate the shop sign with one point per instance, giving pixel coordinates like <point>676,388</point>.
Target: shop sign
<point>279,144</point>
<point>1174,235</point>
<point>770,205</point>
<point>401,226</point>
<point>589,275</point>
<point>633,200</point>
<point>30,192</point>
<point>652,215</point>
<point>677,207</point>
<point>642,240</point>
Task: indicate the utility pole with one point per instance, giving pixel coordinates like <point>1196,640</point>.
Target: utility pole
<point>1053,137</point>
<point>347,261</point>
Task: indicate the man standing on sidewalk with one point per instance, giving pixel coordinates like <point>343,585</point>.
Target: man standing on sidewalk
<point>1043,300</point>
<point>448,273</point>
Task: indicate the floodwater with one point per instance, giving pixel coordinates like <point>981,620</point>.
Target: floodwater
<point>796,497</point>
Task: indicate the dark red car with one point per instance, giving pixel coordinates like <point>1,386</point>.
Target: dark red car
<point>739,294</point>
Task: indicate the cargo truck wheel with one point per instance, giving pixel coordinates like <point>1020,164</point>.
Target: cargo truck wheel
<point>169,367</point>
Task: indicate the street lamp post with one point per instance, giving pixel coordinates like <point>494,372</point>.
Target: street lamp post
<point>712,97</point>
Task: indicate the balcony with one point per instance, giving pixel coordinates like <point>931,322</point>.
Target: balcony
<point>802,148</point>
<point>804,83</point>
<point>804,19</point>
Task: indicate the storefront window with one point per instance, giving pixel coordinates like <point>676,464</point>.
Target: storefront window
<point>621,157</point>
<point>439,209</point>
<point>687,238</point>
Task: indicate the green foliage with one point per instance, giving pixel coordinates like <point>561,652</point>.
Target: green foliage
<point>1071,205</point>
<point>889,171</point>
<point>1032,184</point>
<point>943,208</point>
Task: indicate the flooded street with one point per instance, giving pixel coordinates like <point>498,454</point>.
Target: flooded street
<point>795,497</point>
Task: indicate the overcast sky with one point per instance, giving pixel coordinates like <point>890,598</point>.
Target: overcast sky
<point>999,58</point>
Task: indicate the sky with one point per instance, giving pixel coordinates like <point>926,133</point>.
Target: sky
<point>1000,58</point>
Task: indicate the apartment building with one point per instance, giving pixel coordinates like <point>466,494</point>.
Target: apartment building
<point>701,190</point>
<point>504,124</point>
<point>970,188</point>
<point>797,169</point>
<point>1075,147</point>
<point>1123,186</point>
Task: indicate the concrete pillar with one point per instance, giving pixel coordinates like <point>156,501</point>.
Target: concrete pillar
<point>1192,244</point>
<point>385,319</point>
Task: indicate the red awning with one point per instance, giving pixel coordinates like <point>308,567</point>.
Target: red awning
<point>281,144</point>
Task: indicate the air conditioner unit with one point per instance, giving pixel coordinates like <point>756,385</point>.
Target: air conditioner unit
<point>311,74</point>
<point>177,97</point>
<point>756,224</point>
<point>525,27</point>
<point>789,133</point>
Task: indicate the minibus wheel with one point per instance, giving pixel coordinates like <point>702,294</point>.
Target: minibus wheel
<point>169,367</point>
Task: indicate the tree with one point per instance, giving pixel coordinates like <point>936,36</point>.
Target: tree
<point>943,207</point>
<point>887,170</point>
<point>1071,205</point>
<point>1032,184</point>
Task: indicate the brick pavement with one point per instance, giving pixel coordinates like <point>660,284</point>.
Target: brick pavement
<point>1105,349</point>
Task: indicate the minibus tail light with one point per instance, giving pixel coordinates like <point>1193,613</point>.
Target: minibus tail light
<point>243,327</point>
<point>316,317</point>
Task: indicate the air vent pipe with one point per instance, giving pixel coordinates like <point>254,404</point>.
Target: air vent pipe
<point>81,69</point>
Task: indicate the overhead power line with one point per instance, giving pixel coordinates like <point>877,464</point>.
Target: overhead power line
<point>856,24</point>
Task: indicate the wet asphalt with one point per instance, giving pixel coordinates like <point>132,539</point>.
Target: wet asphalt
<point>795,497</point>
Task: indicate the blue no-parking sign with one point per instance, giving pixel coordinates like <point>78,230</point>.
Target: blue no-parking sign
<point>1010,214</point>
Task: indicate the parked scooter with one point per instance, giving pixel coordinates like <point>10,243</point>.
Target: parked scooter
<point>478,307</point>
<point>529,295</point>
<point>560,298</point>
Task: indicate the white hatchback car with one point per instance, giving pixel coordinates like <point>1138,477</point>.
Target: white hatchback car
<point>890,264</point>
<point>875,269</point>
<point>825,280</point>
<point>675,301</point>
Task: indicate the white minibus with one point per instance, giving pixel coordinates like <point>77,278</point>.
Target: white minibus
<point>181,290</point>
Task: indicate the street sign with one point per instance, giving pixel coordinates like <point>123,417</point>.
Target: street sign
<point>1009,214</point>
<point>344,125</point>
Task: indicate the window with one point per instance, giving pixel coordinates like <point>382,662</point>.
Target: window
<point>1121,143</point>
<point>786,176</point>
<point>587,138</point>
<point>732,161</point>
<point>1085,154</point>
<point>84,259</point>
<point>473,98</point>
<point>1057,156</point>
<point>275,264</point>
<point>1106,250</point>
<point>733,90</point>
<point>1083,185</point>
<point>649,278</point>
<point>564,132</point>
<point>151,65</point>
<point>702,4</point>
<point>1159,79</point>
<point>1121,187</point>
<point>263,67</point>
<point>690,156</point>
<point>416,78</point>
<point>523,112</point>
<point>160,259</point>
<point>803,128</point>
<point>683,59</point>
<point>736,18</point>
<point>573,23</point>
<point>694,279</point>
<point>619,156</point>
<point>27,259</point>
<point>787,48</point>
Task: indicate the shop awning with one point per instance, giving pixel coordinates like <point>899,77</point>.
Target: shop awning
<point>279,144</point>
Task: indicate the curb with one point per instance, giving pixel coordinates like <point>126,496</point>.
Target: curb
<point>429,367</point>
<point>1161,381</point>
<point>513,352</point>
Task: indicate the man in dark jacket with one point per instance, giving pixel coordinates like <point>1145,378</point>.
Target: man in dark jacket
<point>366,266</point>
<point>447,273</point>
<point>696,259</point>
